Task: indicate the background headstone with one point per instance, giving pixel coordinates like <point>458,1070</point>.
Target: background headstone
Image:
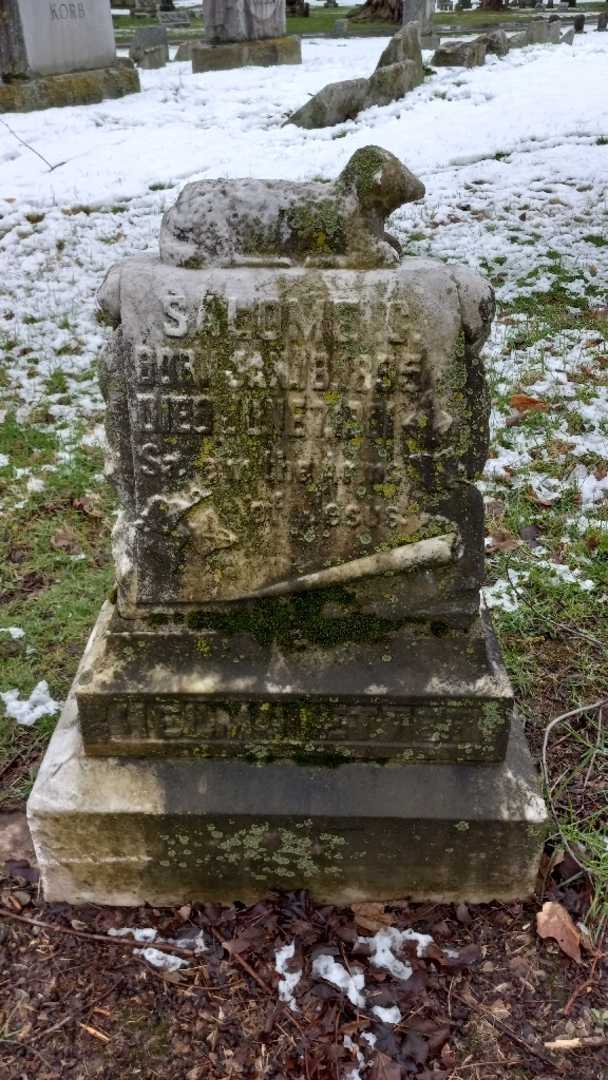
<point>579,23</point>
<point>150,47</point>
<point>243,20</point>
<point>55,38</point>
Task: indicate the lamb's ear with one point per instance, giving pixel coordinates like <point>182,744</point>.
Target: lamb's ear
<point>381,182</point>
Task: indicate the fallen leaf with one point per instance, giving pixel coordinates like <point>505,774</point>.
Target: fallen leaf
<point>371,916</point>
<point>524,403</point>
<point>555,922</point>
<point>66,540</point>
<point>530,535</point>
<point>502,540</point>
<point>86,505</point>
<point>385,1068</point>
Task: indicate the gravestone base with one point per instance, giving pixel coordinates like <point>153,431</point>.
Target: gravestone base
<point>408,697</point>
<point>264,53</point>
<point>129,832</point>
<point>75,88</point>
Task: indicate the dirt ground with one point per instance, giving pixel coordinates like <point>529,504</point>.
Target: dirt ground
<point>482,1002</point>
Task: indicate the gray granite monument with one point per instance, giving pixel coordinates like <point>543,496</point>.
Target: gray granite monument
<point>59,54</point>
<point>293,686</point>
<point>239,33</point>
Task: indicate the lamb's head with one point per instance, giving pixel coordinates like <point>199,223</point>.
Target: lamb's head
<point>381,182</point>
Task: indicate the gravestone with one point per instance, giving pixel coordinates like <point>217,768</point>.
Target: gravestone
<point>59,54</point>
<point>239,33</point>
<point>293,686</point>
<point>579,23</point>
<point>461,53</point>
<point>150,47</point>
<point>421,12</point>
<point>172,19</point>
<point>602,21</point>
<point>398,71</point>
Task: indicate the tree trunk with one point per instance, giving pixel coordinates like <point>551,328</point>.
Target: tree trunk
<point>379,10</point>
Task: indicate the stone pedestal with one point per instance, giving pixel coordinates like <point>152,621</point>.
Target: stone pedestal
<point>76,88</point>
<point>131,831</point>
<point>264,53</point>
<point>295,687</point>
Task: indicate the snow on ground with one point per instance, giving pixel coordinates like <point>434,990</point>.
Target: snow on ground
<point>514,156</point>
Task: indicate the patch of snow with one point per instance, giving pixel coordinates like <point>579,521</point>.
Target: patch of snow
<point>39,704</point>
<point>162,960</point>
<point>196,942</point>
<point>388,942</point>
<point>4,461</point>
<point>290,979</point>
<point>146,934</point>
<point>387,1016</point>
<point>325,967</point>
<point>14,632</point>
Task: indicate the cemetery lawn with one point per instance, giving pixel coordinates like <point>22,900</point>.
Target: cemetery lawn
<point>515,157</point>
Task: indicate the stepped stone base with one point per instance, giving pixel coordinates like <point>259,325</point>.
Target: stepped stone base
<point>130,831</point>
<point>264,53</point>
<point>75,88</point>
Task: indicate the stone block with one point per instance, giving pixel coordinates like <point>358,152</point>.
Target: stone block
<point>497,42</point>
<point>184,51</point>
<point>244,21</point>
<point>150,47</point>
<point>392,82</point>
<point>265,53</point>
<point>461,54</point>
<point>55,38</point>
<point>420,12</point>
<point>79,88</point>
<point>579,23</point>
<point>342,27</point>
<point>153,58</point>
<point>404,45</point>
<point>567,38</point>
<point>312,696</point>
<point>130,832</point>
<point>602,22</point>
<point>334,104</point>
<point>518,40</point>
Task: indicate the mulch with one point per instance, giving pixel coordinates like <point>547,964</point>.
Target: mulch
<point>481,1003</point>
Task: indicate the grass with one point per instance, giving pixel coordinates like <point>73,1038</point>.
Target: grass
<point>54,572</point>
<point>322,21</point>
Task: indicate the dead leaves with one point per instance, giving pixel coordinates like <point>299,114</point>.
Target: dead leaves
<point>372,917</point>
<point>553,921</point>
<point>523,403</point>
<point>66,540</point>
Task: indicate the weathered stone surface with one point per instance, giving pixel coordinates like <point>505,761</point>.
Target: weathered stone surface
<point>144,692</point>
<point>295,688</point>
<point>537,31</point>
<point>332,105</point>
<point>130,832</point>
<point>420,12</point>
<point>404,45</point>
<point>602,22</point>
<point>461,54</point>
<point>79,88</point>
<point>243,20</point>
<point>357,454</point>
<point>567,38</point>
<point>497,42</point>
<point>518,40</point>
<point>150,47</point>
<point>266,53</point>
<point>399,70</point>
<point>579,23</point>
<point>55,38</point>
<point>278,223</point>
<point>392,83</point>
